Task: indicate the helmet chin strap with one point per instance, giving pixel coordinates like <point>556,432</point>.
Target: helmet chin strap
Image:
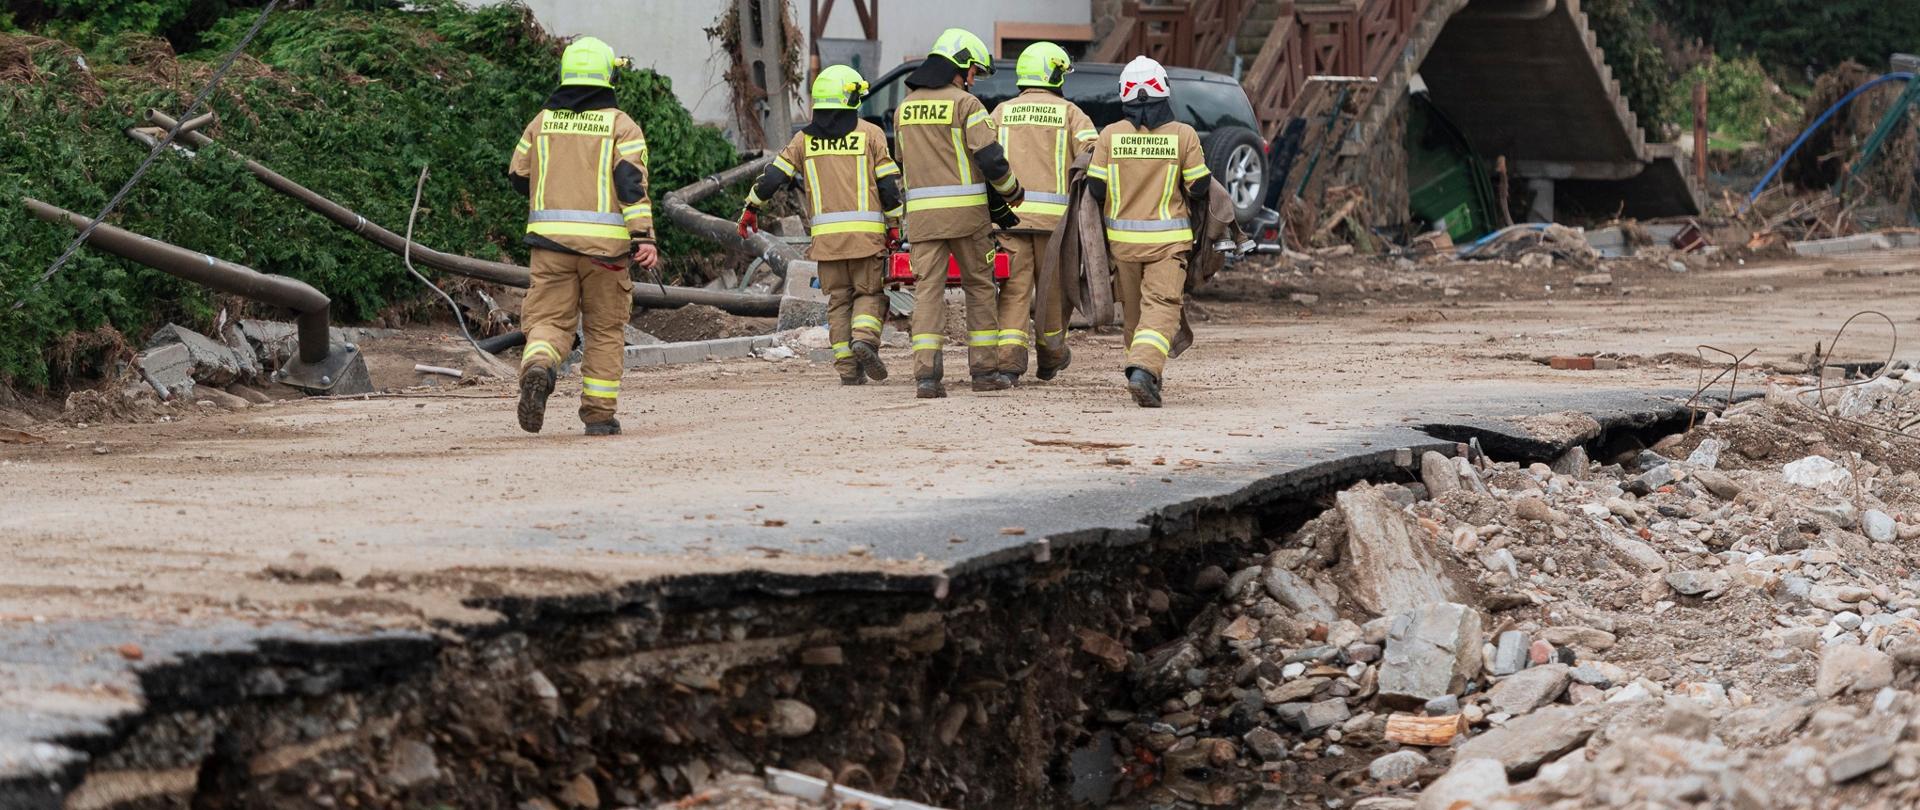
<point>966,79</point>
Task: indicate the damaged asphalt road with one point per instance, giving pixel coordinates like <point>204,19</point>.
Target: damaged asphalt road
<point>403,523</point>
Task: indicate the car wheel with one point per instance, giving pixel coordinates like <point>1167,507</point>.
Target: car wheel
<point>1237,157</point>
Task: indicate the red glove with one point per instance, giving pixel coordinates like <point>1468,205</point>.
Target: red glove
<point>893,239</point>
<point>749,223</point>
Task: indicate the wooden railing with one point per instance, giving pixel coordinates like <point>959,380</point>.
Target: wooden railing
<point>1345,38</point>
<point>1192,34</point>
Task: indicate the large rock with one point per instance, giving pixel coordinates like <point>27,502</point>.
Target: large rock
<point>1530,689</point>
<point>1852,668</point>
<point>1290,590</point>
<point>1438,474</point>
<point>212,361</point>
<point>1468,784</point>
<point>1430,652</point>
<point>1522,745</point>
<point>1391,571</point>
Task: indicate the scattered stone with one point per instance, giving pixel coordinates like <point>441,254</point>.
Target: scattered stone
<point>1430,652</point>
<point>1391,571</point>
<point>1396,768</point>
<point>1654,478</point>
<point>1878,526</point>
<point>1266,743</point>
<point>1572,463</point>
<point>1529,689</point>
<point>412,763</point>
<point>1438,474</point>
<point>1717,483</point>
<point>131,651</point>
<point>1292,591</point>
<point>1523,744</point>
<point>1470,783</point>
<point>1509,653</point>
<point>1816,472</point>
<point>209,361</point>
<point>1593,280</point>
<point>1697,583</point>
<point>1852,668</point>
<point>1586,638</point>
<point>1860,759</point>
<point>580,792</point>
<point>1707,455</point>
<point>1590,675</point>
<point>1534,509</point>
<point>1210,579</point>
<point>791,718</point>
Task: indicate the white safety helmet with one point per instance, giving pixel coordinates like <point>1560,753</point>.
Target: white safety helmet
<point>1143,75</point>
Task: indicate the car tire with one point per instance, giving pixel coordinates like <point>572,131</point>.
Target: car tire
<point>1237,157</point>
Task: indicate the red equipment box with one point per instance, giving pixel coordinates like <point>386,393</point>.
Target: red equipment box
<point>900,268</point>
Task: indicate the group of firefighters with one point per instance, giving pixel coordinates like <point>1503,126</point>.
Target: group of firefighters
<point>963,172</point>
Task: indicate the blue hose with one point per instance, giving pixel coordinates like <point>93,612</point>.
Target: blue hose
<point>1817,123</point>
<point>1483,241</point>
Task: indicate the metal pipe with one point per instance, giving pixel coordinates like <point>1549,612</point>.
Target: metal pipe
<point>652,296</point>
<point>678,206</point>
<point>199,268</point>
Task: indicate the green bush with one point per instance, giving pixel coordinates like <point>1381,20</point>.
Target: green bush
<point>1743,102</point>
<point>1792,34</point>
<point>348,103</point>
<point>1624,30</point>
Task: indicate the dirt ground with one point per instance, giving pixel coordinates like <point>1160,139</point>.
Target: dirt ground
<point>428,491</point>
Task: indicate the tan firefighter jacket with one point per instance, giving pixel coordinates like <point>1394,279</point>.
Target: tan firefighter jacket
<point>1042,134</point>
<point>581,199</point>
<point>850,196</point>
<point>950,156</point>
<point>1147,173</point>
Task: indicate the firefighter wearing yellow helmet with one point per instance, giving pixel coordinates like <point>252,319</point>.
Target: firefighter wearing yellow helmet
<point>583,165</point>
<point>853,197</point>
<point>1042,132</point>
<point>958,185</point>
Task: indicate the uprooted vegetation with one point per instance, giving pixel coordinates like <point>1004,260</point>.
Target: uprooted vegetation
<point>350,103</point>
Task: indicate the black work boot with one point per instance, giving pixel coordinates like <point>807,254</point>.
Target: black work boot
<point>1011,378</point>
<point>1045,372</point>
<point>1144,386</point>
<point>929,388</point>
<point>868,357</point>
<point>536,385</point>
<point>611,427</point>
<point>991,381</point>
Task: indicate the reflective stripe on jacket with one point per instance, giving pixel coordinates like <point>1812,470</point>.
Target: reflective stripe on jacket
<point>939,131</point>
<point>572,160</point>
<point>841,177</point>
<point>1147,173</point>
<point>1042,134</point>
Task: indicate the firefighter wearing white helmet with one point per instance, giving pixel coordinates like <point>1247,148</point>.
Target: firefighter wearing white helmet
<point>1146,168</point>
<point>853,191</point>
<point>958,185</point>
<point>1043,133</point>
<point>583,165</point>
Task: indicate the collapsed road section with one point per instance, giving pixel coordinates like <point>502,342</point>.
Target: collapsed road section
<point>926,682</point>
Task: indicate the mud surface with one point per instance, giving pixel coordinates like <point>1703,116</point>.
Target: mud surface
<point>424,514</point>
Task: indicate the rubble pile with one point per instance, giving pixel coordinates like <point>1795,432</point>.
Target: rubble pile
<point>1730,617</point>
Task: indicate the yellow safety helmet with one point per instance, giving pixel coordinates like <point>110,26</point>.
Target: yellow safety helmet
<point>962,48</point>
<point>1042,64</point>
<point>588,62</point>
<point>838,87</point>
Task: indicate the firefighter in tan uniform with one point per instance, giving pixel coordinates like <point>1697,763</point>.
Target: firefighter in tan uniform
<point>583,165</point>
<point>1147,167</point>
<point>958,182</point>
<point>1042,133</point>
<point>854,196</point>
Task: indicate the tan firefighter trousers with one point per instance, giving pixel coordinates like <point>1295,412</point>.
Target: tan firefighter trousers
<point>1150,294</point>
<point>1015,313</point>
<point>596,295</point>
<point>856,306</point>
<point>929,257</point>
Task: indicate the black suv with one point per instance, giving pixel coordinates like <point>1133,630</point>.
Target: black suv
<point>1213,104</point>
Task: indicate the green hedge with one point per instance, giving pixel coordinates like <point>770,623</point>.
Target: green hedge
<point>350,103</point>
